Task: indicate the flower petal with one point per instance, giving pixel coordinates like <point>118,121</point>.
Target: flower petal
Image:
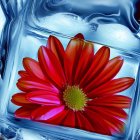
<point>73,52</point>
<point>97,122</point>
<point>83,122</point>
<point>27,85</point>
<point>20,99</point>
<point>43,97</point>
<point>57,48</point>
<point>109,72</point>
<point>84,61</point>
<point>23,73</point>
<point>100,59</point>
<point>119,101</point>
<point>69,120</point>
<point>114,123</point>
<point>79,35</point>
<point>112,87</point>
<point>33,68</point>
<point>46,112</point>
<point>24,112</point>
<point>51,66</point>
<point>58,119</point>
<point>112,111</point>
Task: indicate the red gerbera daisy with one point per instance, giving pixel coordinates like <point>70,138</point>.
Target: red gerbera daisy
<point>73,87</point>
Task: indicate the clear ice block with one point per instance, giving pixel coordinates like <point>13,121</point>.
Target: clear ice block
<point>108,23</point>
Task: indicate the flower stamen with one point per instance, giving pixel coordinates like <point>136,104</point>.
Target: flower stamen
<point>75,98</point>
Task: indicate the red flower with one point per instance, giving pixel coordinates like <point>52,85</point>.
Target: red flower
<point>73,87</point>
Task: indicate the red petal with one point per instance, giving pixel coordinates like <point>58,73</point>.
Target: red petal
<point>27,84</point>
<point>109,72</point>
<point>98,122</point>
<point>43,97</point>
<point>73,52</point>
<point>46,112</point>
<point>58,119</point>
<point>112,87</point>
<point>112,111</point>
<point>57,48</point>
<point>51,66</point>
<point>33,68</point>
<point>83,122</point>
<point>24,112</point>
<point>69,120</point>
<point>99,61</point>
<point>20,99</point>
<point>112,101</point>
<point>114,123</point>
<point>84,61</point>
<point>23,73</point>
<point>81,36</point>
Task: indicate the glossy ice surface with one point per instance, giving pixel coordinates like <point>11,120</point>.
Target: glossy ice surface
<point>28,26</point>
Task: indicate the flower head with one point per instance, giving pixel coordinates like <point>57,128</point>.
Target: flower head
<point>73,87</point>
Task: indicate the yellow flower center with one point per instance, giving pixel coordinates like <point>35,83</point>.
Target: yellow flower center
<point>74,98</point>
